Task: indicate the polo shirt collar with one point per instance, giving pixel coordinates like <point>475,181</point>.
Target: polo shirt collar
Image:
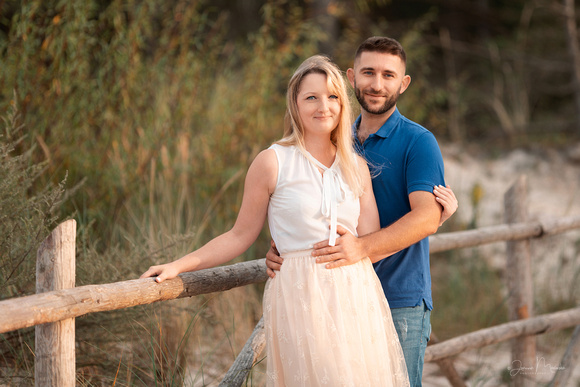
<point>387,127</point>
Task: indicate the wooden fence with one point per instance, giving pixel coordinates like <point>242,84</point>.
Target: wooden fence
<point>58,302</point>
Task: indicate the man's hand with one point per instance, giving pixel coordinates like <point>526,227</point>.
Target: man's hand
<point>347,251</point>
<point>273,260</point>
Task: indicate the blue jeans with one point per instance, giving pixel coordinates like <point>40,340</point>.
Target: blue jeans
<point>413,326</point>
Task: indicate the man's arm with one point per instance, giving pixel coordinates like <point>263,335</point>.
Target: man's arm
<point>422,221</point>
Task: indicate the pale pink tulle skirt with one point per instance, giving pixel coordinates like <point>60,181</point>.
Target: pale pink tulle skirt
<point>330,327</point>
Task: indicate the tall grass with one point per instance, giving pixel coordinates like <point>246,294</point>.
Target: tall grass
<point>159,114</point>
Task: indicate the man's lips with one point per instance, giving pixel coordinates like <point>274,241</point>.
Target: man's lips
<point>376,95</point>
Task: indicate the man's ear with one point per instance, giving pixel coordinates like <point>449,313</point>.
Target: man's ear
<point>405,83</point>
<point>350,76</point>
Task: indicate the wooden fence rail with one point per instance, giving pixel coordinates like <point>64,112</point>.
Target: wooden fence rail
<point>57,305</point>
<point>530,326</point>
<point>501,233</point>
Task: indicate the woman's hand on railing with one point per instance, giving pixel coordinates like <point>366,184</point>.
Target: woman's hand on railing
<point>163,272</point>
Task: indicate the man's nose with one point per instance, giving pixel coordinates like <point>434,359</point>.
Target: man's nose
<point>377,83</point>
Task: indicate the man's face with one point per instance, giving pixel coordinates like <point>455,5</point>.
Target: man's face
<point>378,79</point>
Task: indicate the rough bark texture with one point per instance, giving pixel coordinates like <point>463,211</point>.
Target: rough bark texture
<point>238,372</point>
<point>519,283</point>
<point>54,352</point>
<point>68,303</point>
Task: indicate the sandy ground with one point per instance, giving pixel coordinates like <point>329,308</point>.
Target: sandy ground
<point>553,179</point>
<point>492,366</point>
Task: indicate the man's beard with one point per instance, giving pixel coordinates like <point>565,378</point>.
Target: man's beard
<point>389,103</point>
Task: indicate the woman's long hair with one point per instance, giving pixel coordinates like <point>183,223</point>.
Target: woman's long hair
<point>341,136</point>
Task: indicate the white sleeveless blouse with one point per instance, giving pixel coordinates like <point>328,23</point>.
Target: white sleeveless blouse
<point>306,206</point>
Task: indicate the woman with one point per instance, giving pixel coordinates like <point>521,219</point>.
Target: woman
<point>323,327</point>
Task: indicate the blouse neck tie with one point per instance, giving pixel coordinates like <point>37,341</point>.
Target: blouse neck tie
<point>333,193</point>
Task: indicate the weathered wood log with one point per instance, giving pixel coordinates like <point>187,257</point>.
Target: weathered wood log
<point>483,235</point>
<point>520,299</point>
<point>62,304</point>
<point>244,362</point>
<point>532,326</point>
<point>557,226</point>
<point>447,367</point>
<point>569,361</point>
<point>54,351</point>
<point>501,233</point>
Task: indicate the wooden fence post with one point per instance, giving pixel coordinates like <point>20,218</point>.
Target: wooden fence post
<point>446,366</point>
<point>248,356</point>
<point>54,364</point>
<point>519,285</point>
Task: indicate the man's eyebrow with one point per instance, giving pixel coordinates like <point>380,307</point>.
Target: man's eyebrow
<point>369,68</point>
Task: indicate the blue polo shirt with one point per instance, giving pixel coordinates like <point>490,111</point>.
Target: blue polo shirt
<point>403,157</point>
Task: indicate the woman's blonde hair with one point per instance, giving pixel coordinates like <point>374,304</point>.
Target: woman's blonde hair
<point>341,137</point>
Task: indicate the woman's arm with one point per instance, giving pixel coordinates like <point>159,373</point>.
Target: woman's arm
<point>259,185</point>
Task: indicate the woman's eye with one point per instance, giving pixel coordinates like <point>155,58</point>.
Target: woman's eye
<point>311,97</point>
<point>334,96</point>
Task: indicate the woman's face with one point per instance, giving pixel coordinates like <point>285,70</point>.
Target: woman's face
<point>319,109</point>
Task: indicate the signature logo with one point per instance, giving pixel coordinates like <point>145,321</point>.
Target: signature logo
<point>541,367</point>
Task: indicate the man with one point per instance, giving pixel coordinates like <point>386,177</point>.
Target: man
<point>406,165</point>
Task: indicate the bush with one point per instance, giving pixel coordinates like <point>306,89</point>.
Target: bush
<point>27,211</point>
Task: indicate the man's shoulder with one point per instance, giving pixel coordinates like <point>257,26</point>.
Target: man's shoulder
<point>413,127</point>
<point>416,137</point>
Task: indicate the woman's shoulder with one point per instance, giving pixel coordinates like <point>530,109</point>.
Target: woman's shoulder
<point>283,148</point>
<point>266,159</point>
<point>265,168</point>
<point>285,152</point>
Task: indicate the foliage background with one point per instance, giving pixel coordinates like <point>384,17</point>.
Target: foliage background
<point>139,118</point>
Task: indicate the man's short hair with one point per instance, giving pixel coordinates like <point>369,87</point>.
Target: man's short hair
<point>383,45</point>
